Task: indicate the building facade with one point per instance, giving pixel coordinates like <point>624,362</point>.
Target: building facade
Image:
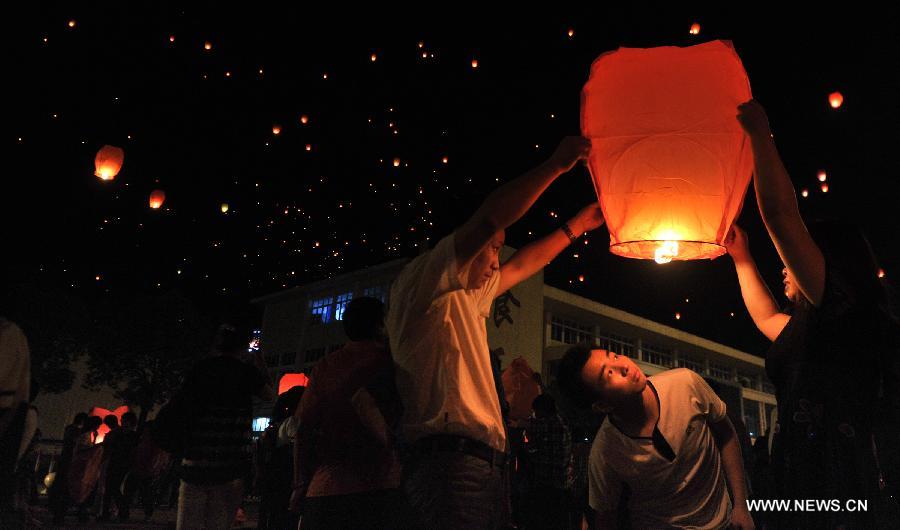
<point>534,321</point>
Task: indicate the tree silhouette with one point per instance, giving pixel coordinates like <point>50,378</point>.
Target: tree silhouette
<point>144,345</point>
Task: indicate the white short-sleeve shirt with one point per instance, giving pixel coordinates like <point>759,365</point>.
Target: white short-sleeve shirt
<point>15,365</point>
<point>687,492</point>
<point>439,342</point>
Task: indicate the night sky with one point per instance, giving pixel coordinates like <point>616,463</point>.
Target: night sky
<point>403,137</point>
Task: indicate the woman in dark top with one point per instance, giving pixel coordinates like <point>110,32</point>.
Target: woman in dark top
<point>832,353</point>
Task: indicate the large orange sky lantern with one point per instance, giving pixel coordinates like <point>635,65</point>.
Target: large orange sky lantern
<point>290,380</point>
<point>670,162</point>
<point>108,162</point>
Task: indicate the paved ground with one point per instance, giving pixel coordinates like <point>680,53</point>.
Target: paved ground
<point>163,519</point>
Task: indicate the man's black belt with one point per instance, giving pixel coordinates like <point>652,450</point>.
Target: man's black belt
<point>460,444</point>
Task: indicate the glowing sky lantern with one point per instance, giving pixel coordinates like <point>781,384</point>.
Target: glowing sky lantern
<point>224,207</point>
<point>289,381</point>
<point>804,193</point>
<point>822,176</point>
<point>207,46</point>
<point>474,63</point>
<point>669,160</point>
<point>304,119</point>
<point>835,99</point>
<point>102,413</point>
<point>157,198</point>
<point>276,130</point>
<point>108,162</point>
<point>824,187</point>
<point>695,29</point>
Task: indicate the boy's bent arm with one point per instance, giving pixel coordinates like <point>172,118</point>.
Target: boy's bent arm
<point>730,449</point>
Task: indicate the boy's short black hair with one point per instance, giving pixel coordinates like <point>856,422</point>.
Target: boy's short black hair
<point>363,318</point>
<point>568,376</point>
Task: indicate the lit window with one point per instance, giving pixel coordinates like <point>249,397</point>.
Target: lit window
<point>260,424</point>
<point>377,291</point>
<point>322,308</point>
<point>340,305</point>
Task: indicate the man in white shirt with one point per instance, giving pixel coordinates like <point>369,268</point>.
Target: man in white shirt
<point>436,325</point>
<point>15,389</point>
<point>666,446</point>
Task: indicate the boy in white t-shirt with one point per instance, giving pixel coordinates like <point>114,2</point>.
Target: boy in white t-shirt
<point>666,449</point>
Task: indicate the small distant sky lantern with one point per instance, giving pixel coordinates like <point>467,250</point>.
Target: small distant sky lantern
<point>822,176</point>
<point>695,29</point>
<point>835,99</point>
<point>276,130</point>
<point>207,45</point>
<point>304,119</point>
<point>396,162</point>
<point>474,63</point>
<point>824,187</point>
<point>108,162</point>
<point>102,413</point>
<point>157,198</point>
<point>289,381</point>
<point>881,273</point>
<point>669,161</point>
<point>224,207</point>
<point>804,193</point>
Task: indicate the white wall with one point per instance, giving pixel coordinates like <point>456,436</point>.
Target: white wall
<point>524,336</point>
<point>57,410</point>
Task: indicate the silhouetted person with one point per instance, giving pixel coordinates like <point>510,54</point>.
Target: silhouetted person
<point>15,382</point>
<point>218,452</point>
<point>275,460</point>
<point>84,445</point>
<point>345,458</point>
<point>119,445</point>
<point>550,457</point>
<point>59,492</point>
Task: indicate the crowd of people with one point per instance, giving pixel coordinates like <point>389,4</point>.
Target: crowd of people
<point>407,425</point>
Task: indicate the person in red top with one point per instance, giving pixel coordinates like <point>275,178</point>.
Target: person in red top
<point>344,458</point>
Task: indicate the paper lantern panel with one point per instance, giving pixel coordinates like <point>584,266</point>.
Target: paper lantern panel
<point>669,160</point>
